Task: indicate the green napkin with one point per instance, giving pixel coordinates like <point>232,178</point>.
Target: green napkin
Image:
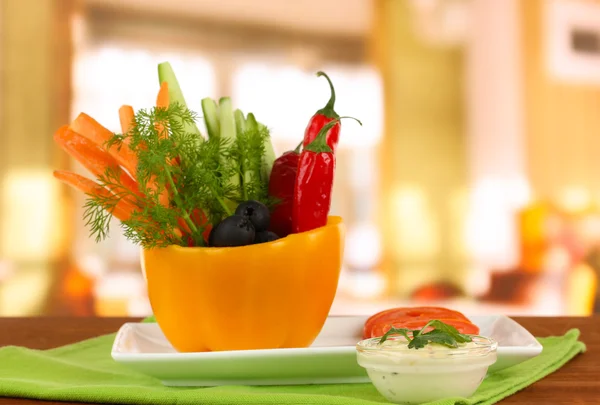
<point>85,372</point>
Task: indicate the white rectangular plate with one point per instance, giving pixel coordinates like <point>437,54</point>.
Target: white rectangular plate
<point>330,360</point>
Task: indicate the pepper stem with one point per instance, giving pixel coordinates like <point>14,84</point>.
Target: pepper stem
<point>319,144</point>
<point>328,110</point>
<point>297,149</point>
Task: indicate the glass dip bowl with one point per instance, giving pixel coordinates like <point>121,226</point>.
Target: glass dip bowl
<point>264,296</point>
<point>415,376</point>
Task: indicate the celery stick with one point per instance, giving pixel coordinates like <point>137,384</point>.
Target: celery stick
<point>226,119</point>
<point>241,128</point>
<point>227,129</point>
<point>211,117</point>
<point>251,123</point>
<point>269,156</point>
<point>268,159</point>
<point>240,122</point>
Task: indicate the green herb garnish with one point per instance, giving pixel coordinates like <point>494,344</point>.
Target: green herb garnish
<point>194,171</point>
<point>442,334</point>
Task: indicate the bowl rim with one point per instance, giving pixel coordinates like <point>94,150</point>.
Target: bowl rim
<point>332,221</point>
<point>482,347</point>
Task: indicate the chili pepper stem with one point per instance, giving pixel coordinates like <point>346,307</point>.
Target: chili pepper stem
<point>297,149</point>
<point>319,144</point>
<point>328,110</point>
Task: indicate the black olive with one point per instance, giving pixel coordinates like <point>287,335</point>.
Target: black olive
<point>211,235</point>
<point>256,212</point>
<point>232,231</point>
<point>265,236</point>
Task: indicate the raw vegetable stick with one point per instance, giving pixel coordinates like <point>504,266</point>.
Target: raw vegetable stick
<point>240,121</point>
<point>166,74</point>
<point>240,125</point>
<point>92,130</point>
<point>162,98</point>
<point>126,116</point>
<point>96,160</point>
<point>228,131</point>
<point>122,209</point>
<point>211,117</point>
<point>269,156</point>
<point>162,101</point>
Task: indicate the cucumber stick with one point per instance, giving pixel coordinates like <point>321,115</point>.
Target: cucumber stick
<point>241,127</point>
<point>227,129</point>
<point>251,123</point>
<point>269,157</point>
<point>211,117</point>
<point>166,74</point>
<point>240,121</point>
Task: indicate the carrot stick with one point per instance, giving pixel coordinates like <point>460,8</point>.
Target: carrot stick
<point>122,210</point>
<point>162,99</point>
<point>96,160</point>
<point>126,116</point>
<point>92,130</point>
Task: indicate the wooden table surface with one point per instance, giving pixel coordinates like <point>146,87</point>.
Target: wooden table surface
<point>578,382</point>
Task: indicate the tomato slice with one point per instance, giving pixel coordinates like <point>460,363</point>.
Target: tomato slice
<point>398,314</point>
<point>465,327</point>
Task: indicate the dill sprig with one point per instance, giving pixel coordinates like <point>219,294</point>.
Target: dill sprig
<point>191,170</point>
<point>251,143</point>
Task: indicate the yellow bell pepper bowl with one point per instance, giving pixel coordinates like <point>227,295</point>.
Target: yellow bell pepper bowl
<point>265,296</point>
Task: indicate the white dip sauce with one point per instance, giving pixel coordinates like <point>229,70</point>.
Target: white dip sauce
<point>414,376</point>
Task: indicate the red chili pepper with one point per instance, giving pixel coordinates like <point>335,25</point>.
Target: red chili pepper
<point>281,187</point>
<point>314,182</point>
<point>322,117</point>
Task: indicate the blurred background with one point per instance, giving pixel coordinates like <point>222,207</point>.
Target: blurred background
<point>474,182</point>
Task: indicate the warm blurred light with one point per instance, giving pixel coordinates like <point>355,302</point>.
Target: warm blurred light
<point>25,291</point>
<point>92,265</point>
<point>7,270</point>
<point>363,245</point>
<point>116,291</point>
<point>458,206</point>
<point>415,232</point>
<point>581,290</point>
<point>30,220</point>
<point>478,283</point>
<point>440,21</point>
<point>590,228</point>
<point>107,77</point>
<point>575,198</point>
<point>557,260</point>
<point>139,306</point>
<point>491,230</point>
<point>363,284</point>
<point>363,170</point>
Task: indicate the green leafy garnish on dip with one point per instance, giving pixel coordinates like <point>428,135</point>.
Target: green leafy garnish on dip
<point>441,334</point>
